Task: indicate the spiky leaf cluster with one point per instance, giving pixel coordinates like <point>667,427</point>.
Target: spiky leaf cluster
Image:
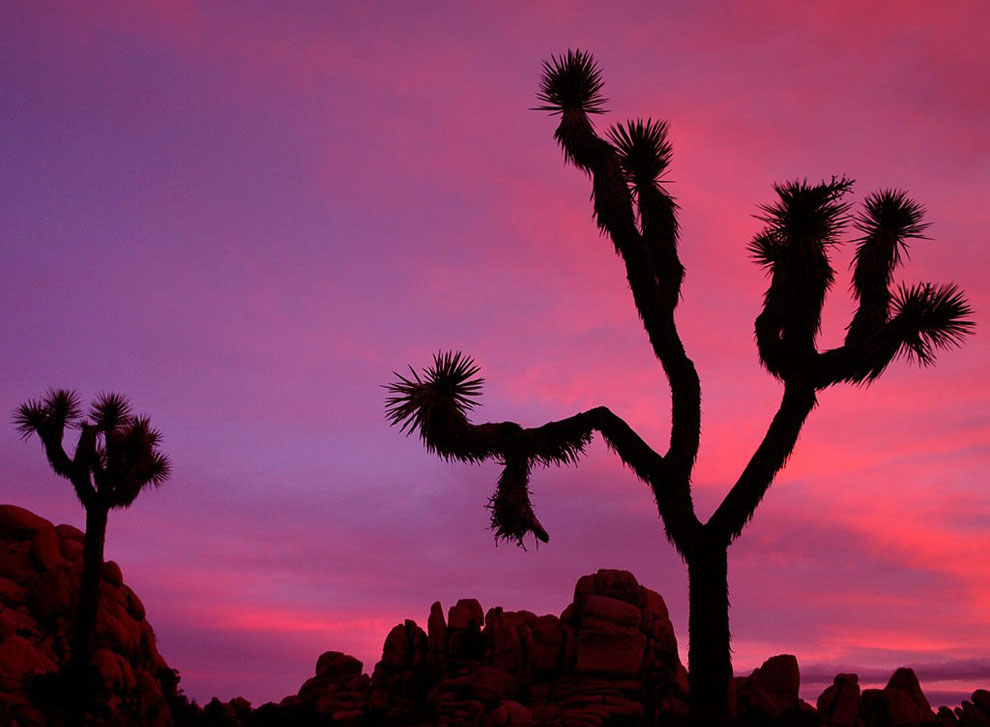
<point>888,220</point>
<point>59,409</point>
<point>801,223</point>
<point>930,318</point>
<point>130,459</point>
<point>571,82</point>
<point>793,246</point>
<point>117,453</point>
<point>644,150</point>
<point>434,404</point>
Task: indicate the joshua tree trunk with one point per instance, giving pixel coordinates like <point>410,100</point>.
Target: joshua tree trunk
<point>709,659</point>
<point>89,598</point>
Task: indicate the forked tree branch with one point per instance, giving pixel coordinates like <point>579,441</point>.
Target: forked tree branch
<point>435,405</point>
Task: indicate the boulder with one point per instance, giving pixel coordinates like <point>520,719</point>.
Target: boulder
<point>906,703</point>
<point>838,705</point>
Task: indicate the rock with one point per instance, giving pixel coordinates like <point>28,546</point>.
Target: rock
<point>971,715</point>
<point>436,636</point>
<point>465,615</point>
<point>981,700</point>
<point>618,584</point>
<point>613,650</point>
<point>906,703</point>
<point>493,685</point>
<point>838,705</point>
<point>111,573</point>
<point>40,569</point>
<point>946,716</point>
<point>509,714</point>
<point>335,665</point>
<point>15,521</point>
<point>772,689</point>
<point>19,660</point>
<point>612,610</point>
<point>405,646</point>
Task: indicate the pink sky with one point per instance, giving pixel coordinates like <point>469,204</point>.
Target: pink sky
<point>247,215</point>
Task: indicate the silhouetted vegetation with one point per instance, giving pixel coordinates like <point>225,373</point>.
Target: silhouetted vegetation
<point>116,457</point>
<point>632,206</point>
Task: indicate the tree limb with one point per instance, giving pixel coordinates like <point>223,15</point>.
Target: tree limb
<point>738,507</point>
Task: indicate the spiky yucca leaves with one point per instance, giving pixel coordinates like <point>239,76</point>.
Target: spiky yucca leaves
<point>512,512</point>
<point>58,409</point>
<point>930,318</point>
<point>571,82</point>
<point>130,460</point>
<point>435,405</point>
<point>48,418</point>
<point>645,153</point>
<point>888,220</point>
<point>110,411</point>
<point>793,246</point>
<point>644,150</point>
<point>116,452</point>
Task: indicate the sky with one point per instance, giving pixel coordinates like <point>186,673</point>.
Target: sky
<point>246,216</point>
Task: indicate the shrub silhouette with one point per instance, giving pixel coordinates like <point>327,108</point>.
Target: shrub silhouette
<point>632,206</point>
<point>116,457</point>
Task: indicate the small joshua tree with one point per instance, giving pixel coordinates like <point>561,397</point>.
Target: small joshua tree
<point>634,209</point>
<point>116,457</point>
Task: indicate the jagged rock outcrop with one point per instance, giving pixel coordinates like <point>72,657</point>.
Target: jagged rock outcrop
<point>40,568</point>
<point>609,658</point>
<point>901,703</point>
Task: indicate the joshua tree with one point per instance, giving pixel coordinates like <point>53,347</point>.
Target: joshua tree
<point>632,207</point>
<point>116,457</point>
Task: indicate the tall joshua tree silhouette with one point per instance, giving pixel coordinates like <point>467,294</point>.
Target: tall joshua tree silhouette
<point>632,207</point>
<point>116,457</point>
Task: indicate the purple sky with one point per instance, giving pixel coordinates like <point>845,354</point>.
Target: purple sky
<point>247,215</point>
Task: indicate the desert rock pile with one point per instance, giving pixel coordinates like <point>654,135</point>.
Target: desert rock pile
<point>40,567</point>
<point>609,658</point>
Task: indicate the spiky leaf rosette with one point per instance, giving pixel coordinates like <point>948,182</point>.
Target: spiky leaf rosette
<point>571,82</point>
<point>59,409</point>
<point>929,318</point>
<point>888,220</point>
<point>110,411</point>
<point>435,405</point>
<point>644,150</point>
<point>132,460</point>
<point>793,246</point>
<point>512,512</point>
<point>801,223</point>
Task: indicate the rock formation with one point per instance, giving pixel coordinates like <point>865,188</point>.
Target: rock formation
<point>40,567</point>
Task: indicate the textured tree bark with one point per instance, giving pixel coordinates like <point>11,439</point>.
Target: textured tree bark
<point>89,599</point>
<point>709,659</point>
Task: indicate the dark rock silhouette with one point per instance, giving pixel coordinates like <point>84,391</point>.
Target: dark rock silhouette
<point>633,207</point>
<point>40,570</point>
